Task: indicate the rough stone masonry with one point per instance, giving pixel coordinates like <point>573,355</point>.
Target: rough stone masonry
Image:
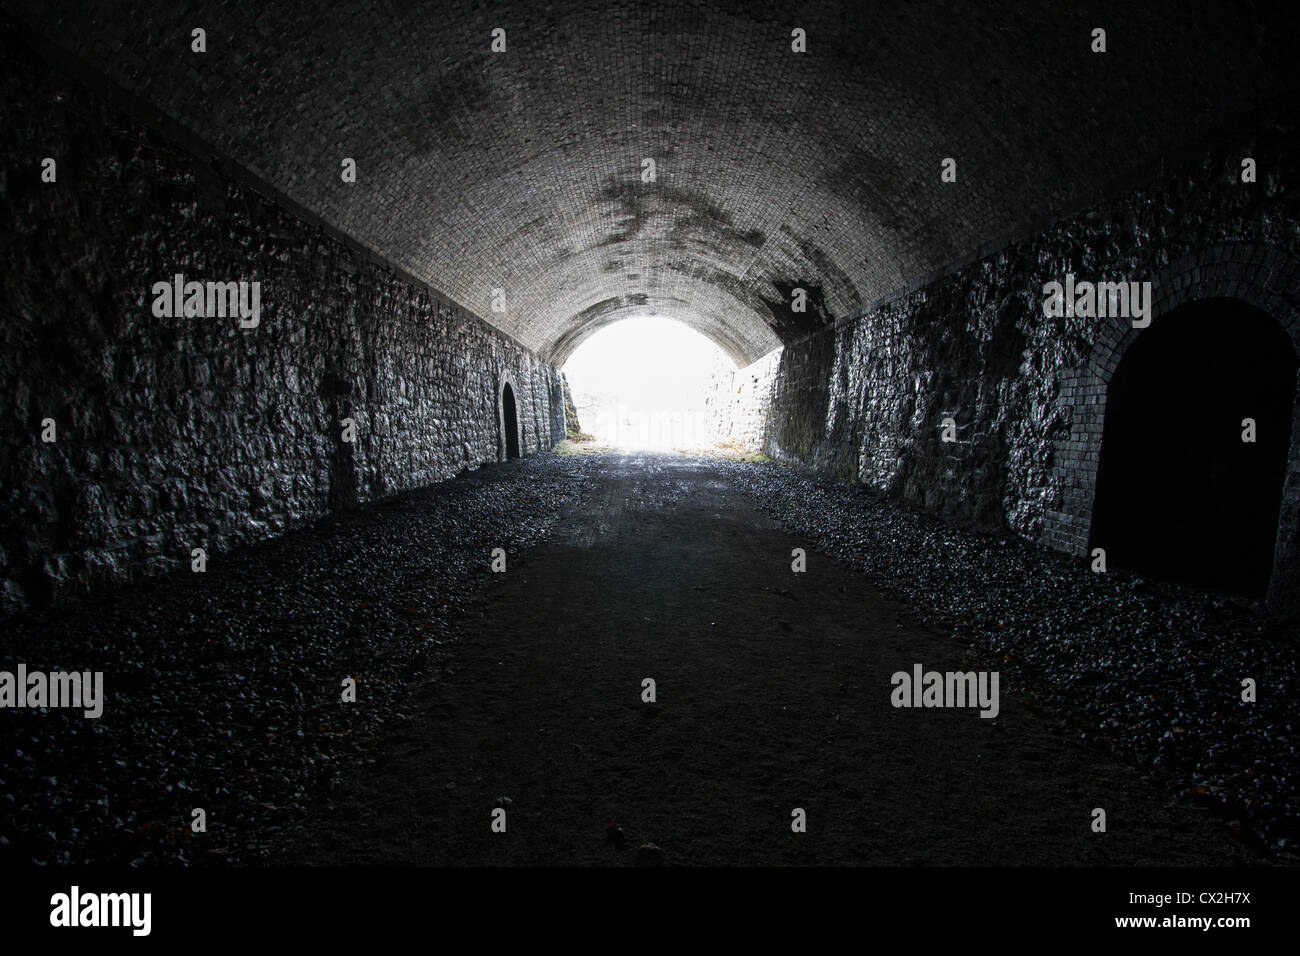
<point>190,431</point>
<point>865,398</point>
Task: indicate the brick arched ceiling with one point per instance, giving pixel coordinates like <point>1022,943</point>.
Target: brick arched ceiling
<point>522,170</point>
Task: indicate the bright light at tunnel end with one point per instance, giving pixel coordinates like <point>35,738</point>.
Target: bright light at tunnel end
<point>641,384</point>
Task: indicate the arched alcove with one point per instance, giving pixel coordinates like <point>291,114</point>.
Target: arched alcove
<point>509,421</point>
<point>1252,272</point>
<point>1180,495</point>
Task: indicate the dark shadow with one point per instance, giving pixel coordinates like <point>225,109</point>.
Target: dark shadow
<point>510,415</point>
<point>1180,495</point>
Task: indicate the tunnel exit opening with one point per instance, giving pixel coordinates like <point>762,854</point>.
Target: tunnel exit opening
<point>1182,492</point>
<point>510,421</point>
<point>646,383</point>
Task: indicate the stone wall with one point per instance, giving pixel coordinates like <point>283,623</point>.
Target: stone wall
<point>739,401</point>
<point>193,432</point>
<point>865,399</point>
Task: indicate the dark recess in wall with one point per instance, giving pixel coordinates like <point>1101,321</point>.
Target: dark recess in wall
<point>1180,495</point>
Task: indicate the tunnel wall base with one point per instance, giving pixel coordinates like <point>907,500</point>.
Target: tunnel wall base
<point>739,401</point>
<point>177,433</point>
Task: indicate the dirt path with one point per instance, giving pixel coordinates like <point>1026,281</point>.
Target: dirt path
<point>773,693</point>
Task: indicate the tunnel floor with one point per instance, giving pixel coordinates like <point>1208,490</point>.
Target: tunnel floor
<point>771,694</point>
<point>523,691</point>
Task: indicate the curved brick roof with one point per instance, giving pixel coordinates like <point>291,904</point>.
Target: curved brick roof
<point>522,170</point>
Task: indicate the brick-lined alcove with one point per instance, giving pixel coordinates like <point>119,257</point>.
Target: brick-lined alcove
<point>508,391</point>
<point>1256,273</point>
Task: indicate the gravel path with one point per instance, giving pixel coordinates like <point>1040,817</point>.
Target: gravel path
<point>1149,671</point>
<point>223,688</point>
<point>772,696</point>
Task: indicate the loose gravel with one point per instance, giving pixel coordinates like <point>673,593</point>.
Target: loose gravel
<point>223,689</point>
<point>1149,670</point>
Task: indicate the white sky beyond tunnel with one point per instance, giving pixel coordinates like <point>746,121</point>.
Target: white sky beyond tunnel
<point>641,384</point>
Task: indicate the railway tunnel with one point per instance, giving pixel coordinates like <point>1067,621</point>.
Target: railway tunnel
<point>1009,298</point>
